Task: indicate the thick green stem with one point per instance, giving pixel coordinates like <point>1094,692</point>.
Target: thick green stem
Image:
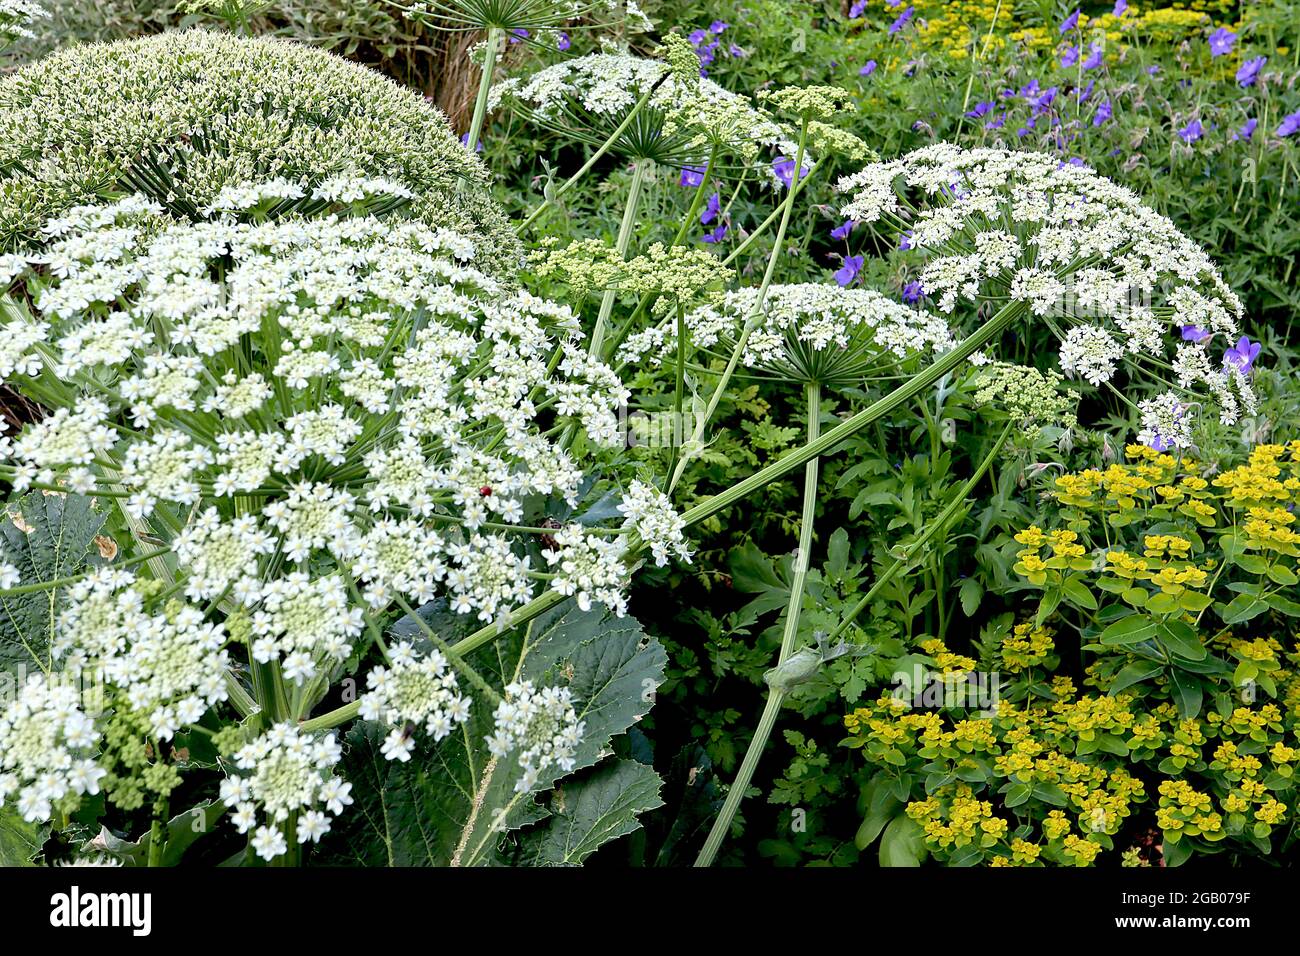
<point>457,661</point>
<point>800,456</point>
<point>697,435</point>
<point>793,610</point>
<point>679,389</point>
<point>986,333</point>
<point>74,578</point>
<point>157,833</point>
<point>490,51</point>
<point>620,246</point>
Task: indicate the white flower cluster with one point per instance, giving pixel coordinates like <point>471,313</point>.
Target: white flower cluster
<point>1071,245</point>
<point>401,415</point>
<point>250,109</point>
<point>414,690</point>
<point>47,749</point>
<point>16,17</point>
<point>170,665</point>
<point>651,514</point>
<point>688,118</point>
<point>808,332</point>
<point>285,771</point>
<point>587,567</point>
<point>542,726</point>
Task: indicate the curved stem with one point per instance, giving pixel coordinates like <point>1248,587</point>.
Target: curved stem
<point>620,246</point>
<point>793,609</point>
<point>484,88</point>
<point>457,661</point>
<point>877,409</point>
<point>752,322</point>
<point>800,456</point>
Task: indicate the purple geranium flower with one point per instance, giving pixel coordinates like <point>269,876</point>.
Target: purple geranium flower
<point>912,293</point>
<point>717,26</point>
<point>784,169</point>
<point>562,42</point>
<point>902,20</point>
<point>1103,113</point>
<point>1096,57</point>
<point>849,271</point>
<point>697,38</point>
<point>1194,333</point>
<point>1242,355</point>
<point>1289,124</point>
<point>981,109</point>
<point>717,235</point>
<point>1247,130</point>
<point>905,241</point>
<point>1221,41</point>
<point>711,207</point>
<point>842,231</point>
<point>868,68</point>
<point>998,122</point>
<point>858,8</point>
<point>736,51</point>
<point>1120,7</point>
<point>1043,100</point>
<point>1069,57</point>
<point>464,141</point>
<point>517,35</point>
<point>1248,72</point>
<point>1191,132</point>
<point>1070,22</point>
<point>692,176</point>
<point>1153,69</point>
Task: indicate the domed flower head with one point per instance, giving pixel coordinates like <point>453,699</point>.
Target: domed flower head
<point>589,97</point>
<point>1118,283</point>
<point>331,412</point>
<point>808,333</point>
<point>281,773</point>
<point>181,116</point>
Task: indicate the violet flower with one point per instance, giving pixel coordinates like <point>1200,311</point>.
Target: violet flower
<point>1221,41</point>
<point>849,271</point>
<point>711,208</point>
<point>1242,355</point>
<point>1248,72</point>
<point>717,235</point>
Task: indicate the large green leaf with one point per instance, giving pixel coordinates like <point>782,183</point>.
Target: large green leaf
<point>181,833</point>
<point>20,841</point>
<point>452,801</point>
<point>46,537</point>
<point>587,812</point>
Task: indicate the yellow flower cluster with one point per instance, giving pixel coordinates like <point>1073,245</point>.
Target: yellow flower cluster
<point>1271,475</point>
<point>1077,752</point>
<point>1185,811</point>
<point>1067,553</point>
<point>1179,501</point>
<point>948,663</point>
<point>1026,646</point>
